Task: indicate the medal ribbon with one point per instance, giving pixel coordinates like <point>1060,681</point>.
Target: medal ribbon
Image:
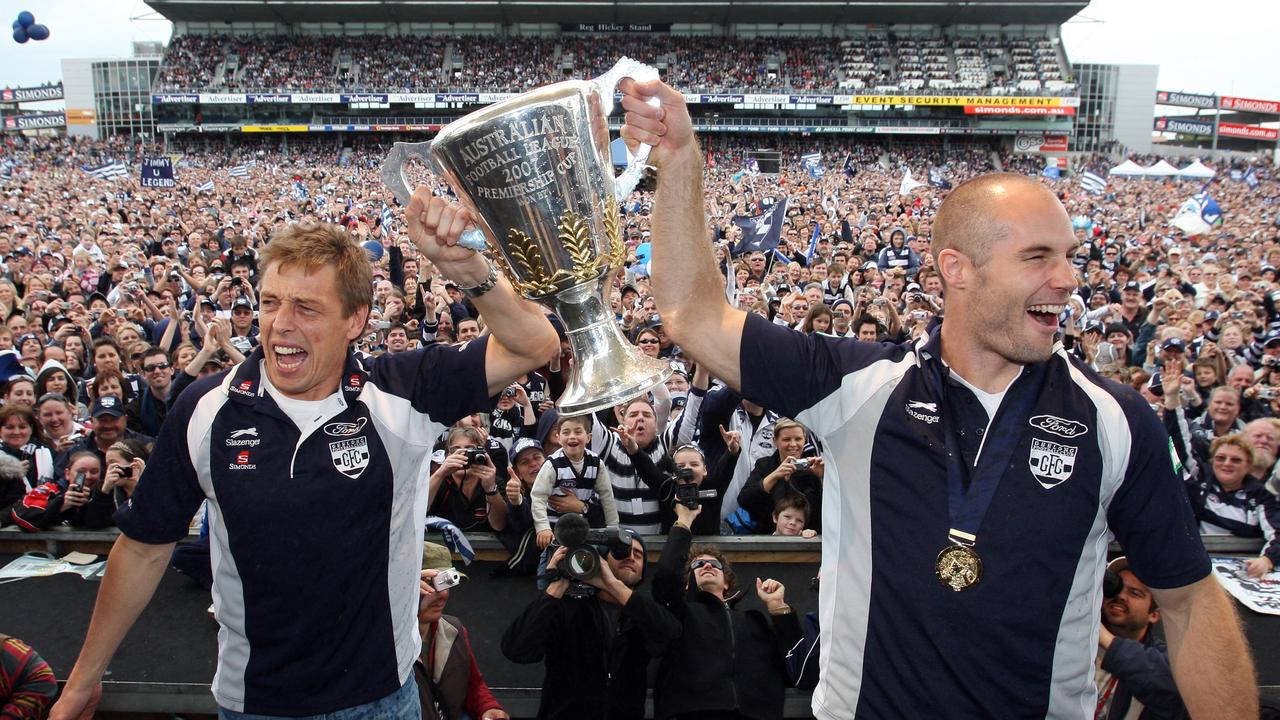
<point>967,509</point>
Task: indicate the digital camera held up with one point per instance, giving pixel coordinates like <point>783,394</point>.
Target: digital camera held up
<point>687,492</point>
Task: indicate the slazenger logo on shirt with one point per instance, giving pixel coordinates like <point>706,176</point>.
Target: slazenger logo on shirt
<point>921,411</point>
<point>248,437</point>
<point>1058,426</point>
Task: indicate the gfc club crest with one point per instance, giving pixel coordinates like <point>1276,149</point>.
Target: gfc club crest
<point>350,457</point>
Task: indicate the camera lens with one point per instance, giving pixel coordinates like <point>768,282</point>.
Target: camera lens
<point>582,564</point>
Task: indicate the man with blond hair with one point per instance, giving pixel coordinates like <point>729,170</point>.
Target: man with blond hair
<point>311,460</point>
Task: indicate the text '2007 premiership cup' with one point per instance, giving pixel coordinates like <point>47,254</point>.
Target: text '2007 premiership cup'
<point>536,171</point>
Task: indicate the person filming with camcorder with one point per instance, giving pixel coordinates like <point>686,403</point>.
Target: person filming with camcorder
<point>592,630</point>
<point>692,484</point>
<point>1132,668</point>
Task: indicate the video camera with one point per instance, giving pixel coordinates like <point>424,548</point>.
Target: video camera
<point>1112,584</point>
<point>582,561</point>
<point>687,492</point>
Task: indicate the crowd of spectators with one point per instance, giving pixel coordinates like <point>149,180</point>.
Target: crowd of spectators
<point>469,63</point>
<point>116,297</point>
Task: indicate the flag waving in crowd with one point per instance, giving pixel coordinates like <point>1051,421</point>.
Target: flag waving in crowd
<point>812,164</point>
<point>761,233</point>
<point>1198,214</point>
<point>908,184</point>
<point>938,179</point>
<point>108,170</point>
<point>1092,182</point>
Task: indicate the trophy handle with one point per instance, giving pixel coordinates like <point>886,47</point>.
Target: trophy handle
<point>393,167</point>
<point>607,84</point>
<point>393,175</point>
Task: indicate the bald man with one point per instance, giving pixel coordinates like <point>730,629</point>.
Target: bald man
<point>981,471</point>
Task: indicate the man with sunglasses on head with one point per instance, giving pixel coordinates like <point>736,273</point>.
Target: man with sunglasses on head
<point>728,663</point>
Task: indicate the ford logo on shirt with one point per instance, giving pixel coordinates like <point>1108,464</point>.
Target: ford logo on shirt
<point>1058,426</point>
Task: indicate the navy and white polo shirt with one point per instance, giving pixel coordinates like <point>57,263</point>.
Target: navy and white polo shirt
<point>1093,463</point>
<point>316,539</point>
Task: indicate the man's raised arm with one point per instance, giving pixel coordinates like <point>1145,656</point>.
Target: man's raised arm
<point>686,283</point>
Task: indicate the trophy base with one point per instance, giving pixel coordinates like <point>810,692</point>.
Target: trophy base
<point>606,370</point>
<point>643,377</point>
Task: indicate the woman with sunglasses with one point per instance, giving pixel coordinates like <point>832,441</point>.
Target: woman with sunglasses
<point>1224,496</point>
<point>1227,500</point>
<point>649,342</point>
<point>727,663</point>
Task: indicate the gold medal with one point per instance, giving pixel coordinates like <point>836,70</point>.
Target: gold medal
<point>958,567</point>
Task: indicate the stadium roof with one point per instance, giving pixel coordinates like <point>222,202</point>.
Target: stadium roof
<point>928,12</point>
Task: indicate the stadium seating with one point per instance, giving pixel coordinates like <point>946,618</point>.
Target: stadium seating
<point>872,62</point>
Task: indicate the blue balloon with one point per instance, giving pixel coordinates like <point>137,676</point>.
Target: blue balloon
<point>26,18</point>
<point>38,32</point>
<point>16,24</point>
<point>20,35</point>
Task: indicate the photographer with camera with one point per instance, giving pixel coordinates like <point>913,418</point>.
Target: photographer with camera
<point>464,488</point>
<point>86,503</point>
<point>596,646</point>
<point>727,663</point>
<point>126,459</point>
<point>1132,669</point>
<point>450,685</point>
<point>784,472</point>
<point>513,417</point>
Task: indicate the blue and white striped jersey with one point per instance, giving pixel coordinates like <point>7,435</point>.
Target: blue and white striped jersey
<point>1093,463</point>
<point>316,534</point>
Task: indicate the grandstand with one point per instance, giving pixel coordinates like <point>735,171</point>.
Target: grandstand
<point>892,71</point>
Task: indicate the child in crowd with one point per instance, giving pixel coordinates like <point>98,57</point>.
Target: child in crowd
<point>572,471</point>
<point>789,516</point>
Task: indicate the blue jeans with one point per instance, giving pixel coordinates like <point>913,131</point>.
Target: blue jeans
<point>402,704</point>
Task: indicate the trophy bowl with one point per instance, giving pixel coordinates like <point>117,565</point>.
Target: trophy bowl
<point>535,170</point>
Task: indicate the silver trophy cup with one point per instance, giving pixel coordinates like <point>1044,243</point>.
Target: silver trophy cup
<point>536,170</point>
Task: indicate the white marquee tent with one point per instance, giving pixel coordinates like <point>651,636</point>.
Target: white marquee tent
<point>1198,170</point>
<point>1128,168</point>
<point>1161,169</point>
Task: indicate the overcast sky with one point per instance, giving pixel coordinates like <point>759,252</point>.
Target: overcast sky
<point>1226,46</point>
